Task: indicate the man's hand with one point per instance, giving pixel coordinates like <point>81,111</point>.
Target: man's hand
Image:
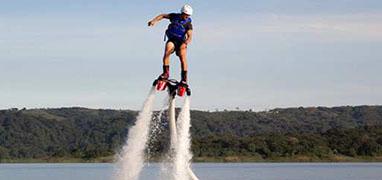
<point>189,37</point>
<point>151,23</point>
<point>183,46</point>
<point>187,41</point>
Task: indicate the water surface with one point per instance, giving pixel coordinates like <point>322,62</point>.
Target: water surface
<point>207,171</point>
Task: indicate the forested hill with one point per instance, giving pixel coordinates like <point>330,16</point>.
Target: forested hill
<point>316,133</point>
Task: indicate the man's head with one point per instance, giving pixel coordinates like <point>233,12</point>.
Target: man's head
<point>186,11</point>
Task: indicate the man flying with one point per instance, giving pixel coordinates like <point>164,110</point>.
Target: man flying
<point>179,34</point>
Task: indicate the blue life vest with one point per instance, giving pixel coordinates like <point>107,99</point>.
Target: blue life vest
<point>176,29</point>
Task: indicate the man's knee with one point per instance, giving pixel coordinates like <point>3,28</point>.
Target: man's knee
<point>167,53</point>
<point>169,48</point>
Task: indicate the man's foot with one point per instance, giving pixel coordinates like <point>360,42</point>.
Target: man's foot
<point>183,83</point>
<point>183,88</point>
<point>163,76</point>
<point>161,82</point>
<point>166,73</point>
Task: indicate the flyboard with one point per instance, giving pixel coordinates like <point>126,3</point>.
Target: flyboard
<point>174,88</point>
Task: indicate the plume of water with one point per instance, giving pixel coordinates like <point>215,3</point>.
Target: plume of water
<point>131,159</point>
<point>167,160</point>
<point>156,128</point>
<point>183,155</point>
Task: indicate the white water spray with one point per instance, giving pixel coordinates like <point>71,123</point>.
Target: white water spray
<point>131,159</point>
<point>156,128</point>
<point>183,155</point>
<point>177,165</point>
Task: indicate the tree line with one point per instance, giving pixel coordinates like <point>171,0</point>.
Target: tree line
<point>314,132</point>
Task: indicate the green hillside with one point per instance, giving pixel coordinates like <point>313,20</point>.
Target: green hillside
<point>292,134</point>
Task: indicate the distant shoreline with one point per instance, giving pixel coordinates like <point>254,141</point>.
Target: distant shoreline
<point>339,134</point>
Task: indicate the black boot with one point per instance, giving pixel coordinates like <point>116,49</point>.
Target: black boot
<point>183,86</point>
<point>166,73</point>
<point>184,77</point>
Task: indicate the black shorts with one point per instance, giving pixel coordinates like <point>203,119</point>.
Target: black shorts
<point>177,44</point>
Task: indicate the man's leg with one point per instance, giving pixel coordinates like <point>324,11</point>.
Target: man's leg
<point>183,61</point>
<point>169,49</point>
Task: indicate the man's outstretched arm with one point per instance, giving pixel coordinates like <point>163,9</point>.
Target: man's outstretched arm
<point>158,18</point>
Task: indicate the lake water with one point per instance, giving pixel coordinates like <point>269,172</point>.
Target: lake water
<point>205,171</point>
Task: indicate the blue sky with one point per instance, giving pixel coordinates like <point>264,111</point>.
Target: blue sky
<point>246,54</point>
